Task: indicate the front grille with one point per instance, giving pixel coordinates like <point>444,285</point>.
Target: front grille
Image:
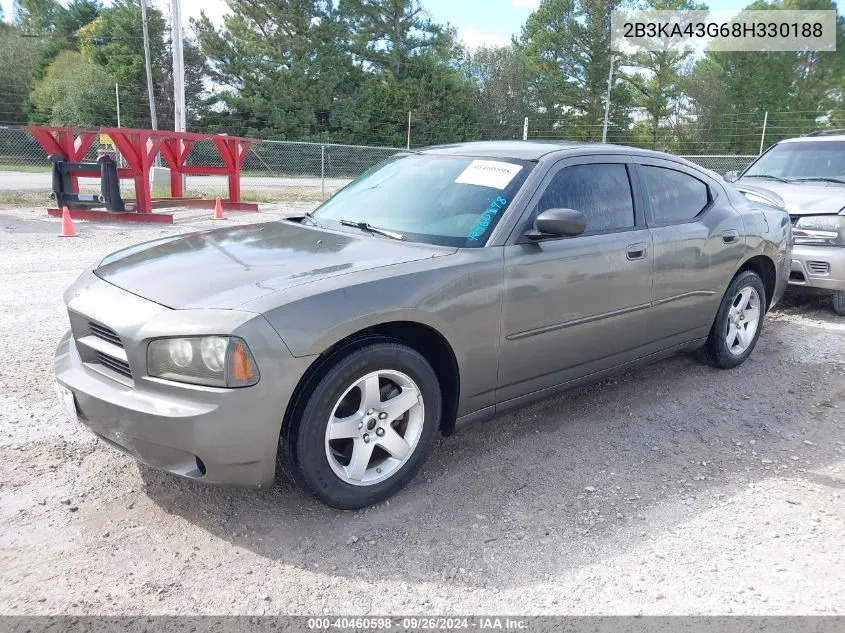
<point>818,268</point>
<point>107,334</point>
<point>115,364</point>
<point>100,347</point>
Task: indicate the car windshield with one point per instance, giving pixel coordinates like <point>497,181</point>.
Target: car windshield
<point>805,159</point>
<point>437,199</point>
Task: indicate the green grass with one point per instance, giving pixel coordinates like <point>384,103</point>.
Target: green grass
<point>30,169</point>
<point>273,196</point>
<point>26,198</point>
<point>43,169</point>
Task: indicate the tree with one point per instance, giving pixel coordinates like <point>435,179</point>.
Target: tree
<point>407,64</point>
<point>819,77</point>
<point>502,89</point>
<point>706,106</point>
<point>658,76</point>
<point>799,90</point>
<point>19,55</point>
<point>280,64</point>
<point>302,69</point>
<point>441,103</point>
<point>36,16</point>
<point>57,24</point>
<point>567,45</point>
<point>76,92</point>
<point>386,34</point>
<point>109,43</point>
<point>114,40</point>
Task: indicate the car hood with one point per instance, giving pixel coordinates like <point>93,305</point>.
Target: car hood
<point>806,198</point>
<point>226,268</point>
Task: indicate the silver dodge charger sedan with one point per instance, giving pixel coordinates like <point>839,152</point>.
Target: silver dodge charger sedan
<point>442,287</point>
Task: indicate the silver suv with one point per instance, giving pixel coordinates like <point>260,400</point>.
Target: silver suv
<point>808,173</point>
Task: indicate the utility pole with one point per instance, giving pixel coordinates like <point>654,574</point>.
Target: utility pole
<point>763,136</point>
<point>117,103</point>
<point>178,67</point>
<point>525,129</point>
<point>607,100</point>
<point>408,144</point>
<point>153,120</point>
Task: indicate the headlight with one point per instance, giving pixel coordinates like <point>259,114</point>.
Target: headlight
<point>181,352</point>
<point>215,361</point>
<point>214,351</point>
<point>824,230</point>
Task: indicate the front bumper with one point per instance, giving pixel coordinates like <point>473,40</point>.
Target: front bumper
<point>818,267</point>
<point>218,436</point>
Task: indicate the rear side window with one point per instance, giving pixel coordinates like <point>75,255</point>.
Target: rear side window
<point>600,191</point>
<point>673,195</point>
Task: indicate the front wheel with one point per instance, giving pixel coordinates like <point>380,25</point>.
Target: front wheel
<point>839,302</point>
<point>367,426</point>
<point>738,322</point>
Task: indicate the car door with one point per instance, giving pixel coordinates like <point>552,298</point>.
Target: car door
<point>574,306</point>
<point>698,239</point>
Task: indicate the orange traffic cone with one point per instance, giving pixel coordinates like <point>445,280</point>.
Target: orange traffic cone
<point>67,224</point>
<point>218,210</point>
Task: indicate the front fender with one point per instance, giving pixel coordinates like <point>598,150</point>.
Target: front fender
<point>344,330</point>
<point>771,238</point>
<point>459,299</point>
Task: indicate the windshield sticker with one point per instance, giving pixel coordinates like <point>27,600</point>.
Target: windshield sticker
<point>488,173</point>
<point>486,218</point>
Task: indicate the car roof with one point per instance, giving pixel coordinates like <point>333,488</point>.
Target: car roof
<point>819,137</point>
<point>535,150</point>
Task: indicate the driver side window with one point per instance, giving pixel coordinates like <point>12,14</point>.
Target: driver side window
<point>601,191</point>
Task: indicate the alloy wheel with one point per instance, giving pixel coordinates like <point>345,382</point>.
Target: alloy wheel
<point>374,427</point>
<point>743,320</point>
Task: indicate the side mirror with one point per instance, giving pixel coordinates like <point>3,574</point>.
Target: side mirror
<point>553,223</point>
<point>731,176</point>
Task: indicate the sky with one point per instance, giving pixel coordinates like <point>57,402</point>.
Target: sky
<point>479,22</point>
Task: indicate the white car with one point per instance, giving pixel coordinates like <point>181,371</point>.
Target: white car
<point>808,173</point>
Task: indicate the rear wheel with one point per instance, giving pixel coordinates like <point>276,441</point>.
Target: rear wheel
<point>738,322</point>
<point>367,426</point>
<point>839,302</point>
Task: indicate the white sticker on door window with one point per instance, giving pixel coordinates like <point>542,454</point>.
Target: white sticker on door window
<point>488,173</point>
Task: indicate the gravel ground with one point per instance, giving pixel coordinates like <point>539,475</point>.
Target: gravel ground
<point>674,489</point>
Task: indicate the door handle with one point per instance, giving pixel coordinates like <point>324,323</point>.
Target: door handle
<point>636,251</point>
<point>730,237</point>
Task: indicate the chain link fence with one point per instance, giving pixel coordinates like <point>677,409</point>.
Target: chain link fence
<point>272,169</point>
<point>720,163</point>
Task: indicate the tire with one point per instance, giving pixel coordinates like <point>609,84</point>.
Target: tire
<point>328,462</point>
<point>839,302</point>
<point>736,313</point>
